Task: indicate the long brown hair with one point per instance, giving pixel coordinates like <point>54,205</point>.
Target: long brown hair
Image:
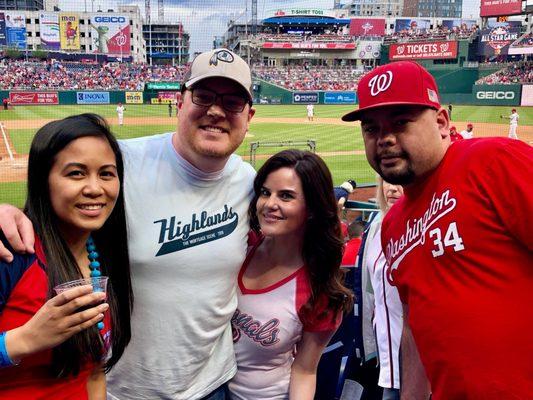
<point>322,245</point>
<point>110,240</point>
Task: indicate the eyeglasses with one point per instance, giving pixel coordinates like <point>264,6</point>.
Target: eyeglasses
<point>230,102</point>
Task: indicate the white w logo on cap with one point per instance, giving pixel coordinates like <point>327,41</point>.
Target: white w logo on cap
<point>380,83</point>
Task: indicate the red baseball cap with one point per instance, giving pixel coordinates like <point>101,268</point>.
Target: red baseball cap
<point>469,126</point>
<point>397,83</point>
<point>453,128</point>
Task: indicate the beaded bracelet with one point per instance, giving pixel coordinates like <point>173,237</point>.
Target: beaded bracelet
<point>5,361</point>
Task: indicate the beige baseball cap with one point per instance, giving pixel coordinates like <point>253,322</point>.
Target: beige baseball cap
<point>220,63</point>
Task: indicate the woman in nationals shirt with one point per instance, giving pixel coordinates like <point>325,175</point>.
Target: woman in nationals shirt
<point>51,346</point>
<point>290,286</point>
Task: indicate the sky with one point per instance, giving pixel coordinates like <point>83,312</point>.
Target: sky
<point>205,19</point>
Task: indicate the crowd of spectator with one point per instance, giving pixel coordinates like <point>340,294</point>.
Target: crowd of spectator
<point>83,76</point>
<point>515,73</point>
<point>310,78</point>
<point>304,37</point>
<point>438,33</point>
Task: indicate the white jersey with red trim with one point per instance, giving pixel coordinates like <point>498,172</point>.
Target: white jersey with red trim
<point>388,316</point>
<point>267,325</point>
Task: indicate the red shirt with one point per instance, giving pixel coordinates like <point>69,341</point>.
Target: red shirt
<point>350,252</point>
<point>459,246</point>
<point>455,137</point>
<point>24,294</point>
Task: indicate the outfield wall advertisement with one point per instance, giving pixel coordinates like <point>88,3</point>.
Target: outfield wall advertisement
<point>69,26</point>
<point>340,98</point>
<point>111,34</point>
<point>527,95</point>
<point>92,97</point>
<point>497,95</point>
<point>493,8</point>
<point>423,51</point>
<point>15,23</point>
<point>305,97</point>
<point>33,98</point>
<point>49,26</point>
<point>367,27</point>
<point>134,97</point>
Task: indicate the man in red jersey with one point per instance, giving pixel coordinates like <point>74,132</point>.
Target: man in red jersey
<point>458,244</point>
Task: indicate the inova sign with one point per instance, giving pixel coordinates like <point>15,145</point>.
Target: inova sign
<point>495,95</point>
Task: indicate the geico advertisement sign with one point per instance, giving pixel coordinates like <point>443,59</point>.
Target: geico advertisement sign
<point>112,20</point>
<point>495,95</point>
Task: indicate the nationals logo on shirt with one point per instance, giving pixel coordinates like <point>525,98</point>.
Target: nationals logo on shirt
<point>415,232</point>
<point>265,334</point>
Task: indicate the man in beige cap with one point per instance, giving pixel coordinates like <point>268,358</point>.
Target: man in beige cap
<point>187,198</point>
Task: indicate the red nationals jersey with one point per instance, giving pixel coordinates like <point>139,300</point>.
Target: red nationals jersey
<point>459,249</point>
<point>23,291</point>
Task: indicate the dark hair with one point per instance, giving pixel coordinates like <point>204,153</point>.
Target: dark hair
<point>355,229</point>
<point>322,245</point>
<point>110,241</point>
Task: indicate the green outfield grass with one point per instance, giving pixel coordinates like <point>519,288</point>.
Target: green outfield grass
<point>329,138</point>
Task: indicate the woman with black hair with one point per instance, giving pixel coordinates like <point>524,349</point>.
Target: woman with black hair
<point>59,347</point>
<point>291,294</point>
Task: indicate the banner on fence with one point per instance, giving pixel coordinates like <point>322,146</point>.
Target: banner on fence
<point>305,97</point>
<point>497,95</point>
<point>339,98</point>
<point>92,97</point>
<point>32,98</point>
<point>527,95</point>
<point>134,97</point>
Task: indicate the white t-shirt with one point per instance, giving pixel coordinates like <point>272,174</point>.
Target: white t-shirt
<point>513,119</point>
<point>187,241</point>
<point>388,311</point>
<point>467,135</point>
<point>120,110</point>
<point>266,328</point>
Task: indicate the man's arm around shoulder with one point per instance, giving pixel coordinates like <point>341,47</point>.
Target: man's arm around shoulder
<point>17,229</point>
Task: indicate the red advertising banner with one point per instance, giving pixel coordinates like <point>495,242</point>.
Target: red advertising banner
<point>493,8</point>
<point>423,50</point>
<point>309,45</point>
<point>26,98</point>
<point>367,27</point>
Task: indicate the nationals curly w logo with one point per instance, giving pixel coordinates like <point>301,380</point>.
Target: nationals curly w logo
<point>380,83</point>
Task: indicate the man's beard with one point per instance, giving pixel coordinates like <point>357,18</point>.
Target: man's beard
<point>403,177</point>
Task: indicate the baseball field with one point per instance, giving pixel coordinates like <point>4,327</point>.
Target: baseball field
<point>339,143</point>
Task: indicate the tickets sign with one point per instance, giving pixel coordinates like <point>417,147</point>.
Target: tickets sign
<point>28,98</point>
<point>423,50</point>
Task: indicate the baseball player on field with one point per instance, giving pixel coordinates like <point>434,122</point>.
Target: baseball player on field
<point>513,123</point>
<point>310,112</point>
<point>120,113</point>
<point>458,244</point>
<point>468,132</point>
